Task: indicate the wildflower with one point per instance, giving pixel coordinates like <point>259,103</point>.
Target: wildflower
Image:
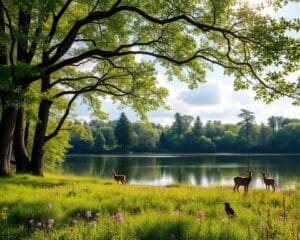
<point>93,224</point>
<point>49,206</point>
<point>74,221</point>
<point>31,222</point>
<point>118,217</point>
<point>39,225</point>
<point>200,215</point>
<point>50,223</point>
<point>172,236</point>
<point>88,214</point>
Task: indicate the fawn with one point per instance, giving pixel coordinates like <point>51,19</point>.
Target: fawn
<point>245,181</point>
<point>269,182</point>
<point>120,178</point>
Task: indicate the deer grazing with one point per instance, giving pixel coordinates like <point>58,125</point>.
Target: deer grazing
<point>268,181</point>
<point>120,178</point>
<point>244,181</point>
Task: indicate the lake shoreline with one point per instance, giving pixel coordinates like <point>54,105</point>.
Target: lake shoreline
<point>179,154</point>
<point>190,169</point>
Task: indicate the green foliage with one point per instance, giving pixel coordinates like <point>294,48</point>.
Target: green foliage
<point>147,137</point>
<point>212,137</point>
<point>247,129</point>
<point>99,142</point>
<point>109,135</point>
<point>123,132</point>
<point>197,128</point>
<point>149,212</point>
<point>287,138</point>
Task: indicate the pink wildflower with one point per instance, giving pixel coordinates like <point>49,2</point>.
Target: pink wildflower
<point>118,217</point>
<point>39,225</point>
<point>88,214</point>
<point>31,222</point>
<point>200,215</point>
<point>50,223</point>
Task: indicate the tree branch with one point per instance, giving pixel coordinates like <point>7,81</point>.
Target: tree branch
<point>56,19</point>
<point>62,120</point>
<point>13,39</point>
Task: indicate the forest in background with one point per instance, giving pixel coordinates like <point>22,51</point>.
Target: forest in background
<point>187,135</point>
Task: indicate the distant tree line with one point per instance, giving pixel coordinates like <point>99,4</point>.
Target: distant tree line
<point>189,135</point>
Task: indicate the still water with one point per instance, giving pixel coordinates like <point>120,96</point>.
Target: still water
<point>193,169</point>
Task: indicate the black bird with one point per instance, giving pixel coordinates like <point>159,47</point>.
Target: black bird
<point>230,212</point>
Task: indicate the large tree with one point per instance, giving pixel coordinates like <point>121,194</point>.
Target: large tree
<point>197,128</point>
<point>123,132</point>
<point>39,39</point>
<point>247,129</point>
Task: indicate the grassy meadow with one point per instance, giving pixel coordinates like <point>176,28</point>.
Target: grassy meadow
<point>68,207</point>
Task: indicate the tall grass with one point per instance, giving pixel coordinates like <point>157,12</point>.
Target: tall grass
<point>28,203</point>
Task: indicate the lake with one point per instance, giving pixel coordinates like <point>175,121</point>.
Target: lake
<point>193,169</point>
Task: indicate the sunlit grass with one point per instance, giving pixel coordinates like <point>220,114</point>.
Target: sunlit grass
<point>149,212</point>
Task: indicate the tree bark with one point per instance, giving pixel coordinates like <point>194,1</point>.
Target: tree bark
<point>8,115</point>
<point>37,162</point>
<point>27,126</point>
<point>19,146</point>
<point>7,125</point>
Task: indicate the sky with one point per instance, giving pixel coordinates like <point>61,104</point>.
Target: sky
<point>213,100</point>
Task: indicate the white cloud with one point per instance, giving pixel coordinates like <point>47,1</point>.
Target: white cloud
<point>204,95</point>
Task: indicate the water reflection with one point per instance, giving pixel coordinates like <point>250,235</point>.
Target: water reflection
<point>189,169</point>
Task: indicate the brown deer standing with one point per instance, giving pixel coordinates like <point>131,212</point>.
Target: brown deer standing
<point>119,178</point>
<point>245,181</point>
<point>269,182</point>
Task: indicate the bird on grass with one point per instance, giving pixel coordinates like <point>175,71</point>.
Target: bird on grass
<point>229,211</point>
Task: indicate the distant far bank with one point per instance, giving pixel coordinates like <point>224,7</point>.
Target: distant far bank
<point>155,154</point>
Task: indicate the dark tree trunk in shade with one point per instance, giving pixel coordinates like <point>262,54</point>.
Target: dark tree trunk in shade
<point>37,162</point>
<point>20,151</point>
<point>7,125</point>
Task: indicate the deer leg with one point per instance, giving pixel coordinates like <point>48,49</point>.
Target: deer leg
<point>273,188</point>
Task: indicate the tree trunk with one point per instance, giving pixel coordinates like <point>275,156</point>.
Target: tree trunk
<point>20,151</point>
<point>7,125</point>
<point>8,114</point>
<point>27,126</point>
<point>37,162</point>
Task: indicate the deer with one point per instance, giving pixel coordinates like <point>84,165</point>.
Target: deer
<point>120,178</point>
<point>268,181</point>
<point>245,181</point>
